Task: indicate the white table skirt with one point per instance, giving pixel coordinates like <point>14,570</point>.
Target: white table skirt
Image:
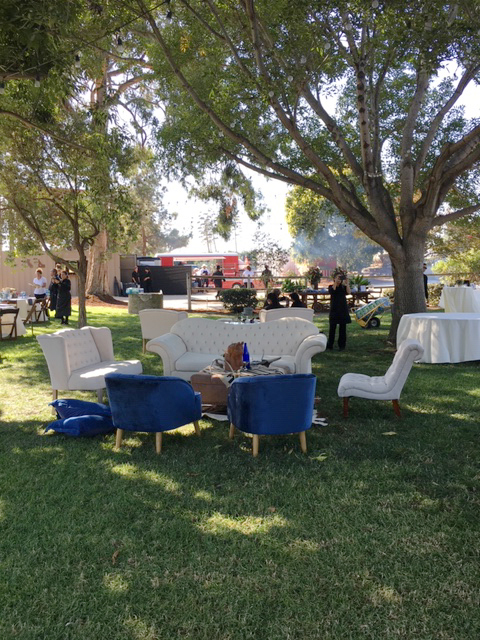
<point>445,337</point>
<point>460,300</point>
<point>20,326</point>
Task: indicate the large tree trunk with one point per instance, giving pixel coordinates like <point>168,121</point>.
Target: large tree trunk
<point>407,274</point>
<point>82,276</point>
<point>97,278</point>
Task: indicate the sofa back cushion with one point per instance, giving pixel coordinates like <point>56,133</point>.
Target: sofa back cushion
<point>279,337</point>
<point>80,348</point>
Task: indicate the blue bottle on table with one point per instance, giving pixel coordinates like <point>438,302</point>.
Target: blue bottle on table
<point>246,356</point>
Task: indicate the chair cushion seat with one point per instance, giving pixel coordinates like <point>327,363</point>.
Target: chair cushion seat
<point>92,378</point>
<point>192,361</point>
<point>362,386</point>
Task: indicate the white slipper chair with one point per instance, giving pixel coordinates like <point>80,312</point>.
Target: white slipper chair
<point>387,387</point>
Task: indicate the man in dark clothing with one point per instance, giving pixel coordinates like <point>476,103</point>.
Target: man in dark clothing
<point>147,281</point>
<point>425,281</point>
<point>136,277</point>
<point>339,313</point>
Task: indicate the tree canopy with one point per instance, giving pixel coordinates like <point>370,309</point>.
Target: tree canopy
<point>356,101</point>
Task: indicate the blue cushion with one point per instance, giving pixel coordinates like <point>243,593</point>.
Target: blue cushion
<point>70,408</point>
<point>88,425</point>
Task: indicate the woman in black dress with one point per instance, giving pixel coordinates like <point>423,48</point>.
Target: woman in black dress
<point>339,313</point>
<point>53,288</point>
<point>64,298</point>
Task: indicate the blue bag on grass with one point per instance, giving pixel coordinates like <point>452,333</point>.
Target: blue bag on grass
<point>78,426</point>
<point>81,418</point>
<point>70,408</point>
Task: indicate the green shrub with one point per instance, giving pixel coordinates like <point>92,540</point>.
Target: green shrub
<point>235,300</point>
<point>434,293</point>
<point>289,285</point>
<point>359,281</point>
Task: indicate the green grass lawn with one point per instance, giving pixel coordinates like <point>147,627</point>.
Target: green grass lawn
<point>367,536</point>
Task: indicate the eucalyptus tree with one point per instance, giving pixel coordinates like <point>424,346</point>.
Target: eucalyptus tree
<point>58,197</point>
<point>357,101</point>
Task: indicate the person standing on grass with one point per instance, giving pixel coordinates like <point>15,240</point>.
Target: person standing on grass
<point>147,281</point>
<point>136,277</point>
<point>425,281</point>
<point>339,313</point>
<point>64,299</point>
<point>218,279</point>
<point>266,276</point>
<point>248,275</point>
<point>53,288</point>
<point>40,283</point>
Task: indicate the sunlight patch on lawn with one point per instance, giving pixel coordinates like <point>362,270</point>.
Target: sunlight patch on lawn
<point>247,525</point>
<point>140,630</point>
<point>129,470</point>
<point>115,582</point>
<point>383,594</point>
<point>203,495</point>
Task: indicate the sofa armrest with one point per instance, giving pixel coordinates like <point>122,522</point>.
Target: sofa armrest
<point>102,337</point>
<point>55,352</point>
<point>169,347</point>
<point>262,315</point>
<point>309,347</point>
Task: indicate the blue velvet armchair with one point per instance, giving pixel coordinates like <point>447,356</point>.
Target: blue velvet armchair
<point>152,404</point>
<point>272,405</point>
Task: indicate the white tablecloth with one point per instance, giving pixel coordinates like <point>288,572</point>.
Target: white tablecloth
<point>460,300</point>
<point>20,326</point>
<point>445,337</point>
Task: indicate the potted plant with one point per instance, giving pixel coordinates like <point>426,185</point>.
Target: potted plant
<point>314,276</point>
<point>359,282</point>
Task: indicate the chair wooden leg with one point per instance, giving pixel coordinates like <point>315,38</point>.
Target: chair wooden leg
<point>256,443</point>
<point>303,441</point>
<point>158,442</point>
<point>144,347</point>
<point>118,439</point>
<point>100,395</point>
<point>345,407</point>
<point>231,433</point>
<point>197,427</point>
<point>396,408</point>
<point>54,397</point>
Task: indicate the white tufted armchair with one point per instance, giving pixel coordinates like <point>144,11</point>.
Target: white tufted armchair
<point>79,359</point>
<point>387,387</point>
<point>194,343</point>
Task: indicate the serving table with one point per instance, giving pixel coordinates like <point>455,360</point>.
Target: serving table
<point>445,337</point>
<point>460,300</point>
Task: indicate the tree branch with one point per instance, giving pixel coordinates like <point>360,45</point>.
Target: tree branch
<point>35,127</point>
<point>455,215</point>
<point>438,119</point>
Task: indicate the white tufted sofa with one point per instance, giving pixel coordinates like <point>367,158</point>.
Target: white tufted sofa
<point>194,343</point>
<point>79,359</point>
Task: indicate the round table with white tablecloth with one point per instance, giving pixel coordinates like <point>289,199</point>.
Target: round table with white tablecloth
<point>460,300</point>
<point>445,337</point>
